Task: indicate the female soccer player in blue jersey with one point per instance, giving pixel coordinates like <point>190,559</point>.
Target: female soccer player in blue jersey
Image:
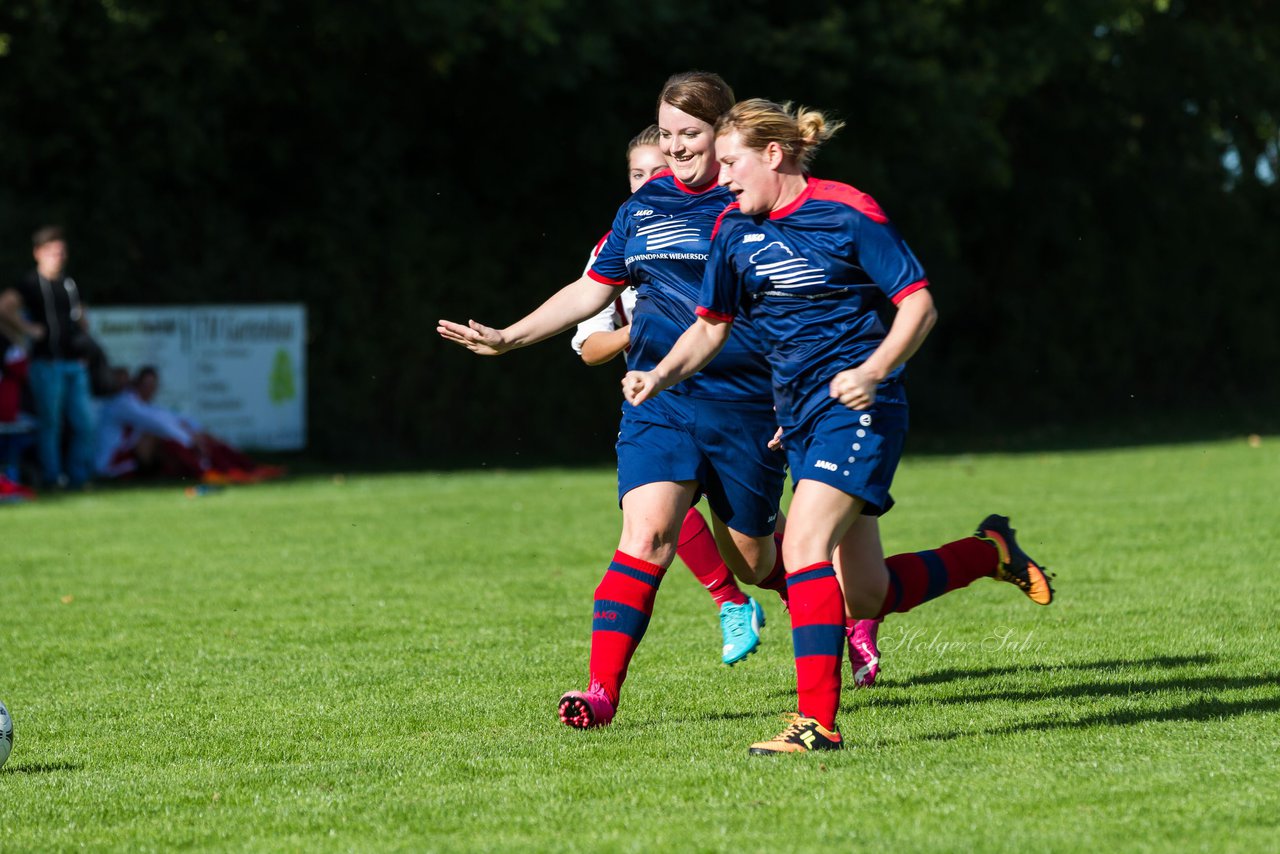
<point>807,263</point>
<point>602,337</point>
<point>709,435</point>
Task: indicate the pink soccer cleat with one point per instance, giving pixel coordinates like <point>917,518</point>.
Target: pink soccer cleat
<point>864,655</point>
<point>583,710</point>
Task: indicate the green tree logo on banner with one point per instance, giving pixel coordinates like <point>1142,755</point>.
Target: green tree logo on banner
<point>281,389</point>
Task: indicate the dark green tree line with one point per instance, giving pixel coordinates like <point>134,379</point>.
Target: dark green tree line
<point>1091,186</point>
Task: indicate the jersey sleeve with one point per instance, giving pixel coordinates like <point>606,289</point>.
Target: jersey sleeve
<point>610,264</point>
<point>721,293</point>
<point>888,260</point>
<point>595,253</point>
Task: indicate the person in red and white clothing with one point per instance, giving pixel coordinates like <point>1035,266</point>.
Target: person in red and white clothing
<point>16,426</point>
<point>137,437</point>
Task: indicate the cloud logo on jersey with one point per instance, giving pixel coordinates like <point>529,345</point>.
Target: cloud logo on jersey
<point>667,232</point>
<point>783,268</point>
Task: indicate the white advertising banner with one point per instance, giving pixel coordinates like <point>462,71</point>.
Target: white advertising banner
<point>238,370</point>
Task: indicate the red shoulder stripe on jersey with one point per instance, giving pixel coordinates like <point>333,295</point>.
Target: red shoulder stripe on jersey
<point>713,315</point>
<point>730,207</point>
<point>909,290</point>
<point>617,283</point>
<point>797,202</point>
<point>836,192</point>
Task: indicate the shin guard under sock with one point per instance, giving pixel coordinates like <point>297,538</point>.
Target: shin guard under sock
<point>817,632</point>
<point>623,605</point>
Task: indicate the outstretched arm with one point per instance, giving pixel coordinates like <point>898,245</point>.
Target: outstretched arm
<point>856,387</point>
<point>567,307</point>
<point>690,354</point>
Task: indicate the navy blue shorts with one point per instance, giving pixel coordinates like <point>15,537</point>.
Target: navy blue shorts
<point>722,445</point>
<point>856,451</point>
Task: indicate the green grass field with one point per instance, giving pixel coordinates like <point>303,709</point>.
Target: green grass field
<point>372,663</point>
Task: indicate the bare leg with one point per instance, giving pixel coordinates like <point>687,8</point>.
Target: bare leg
<point>859,561</point>
<point>651,519</point>
<point>820,516</point>
<point>749,558</point>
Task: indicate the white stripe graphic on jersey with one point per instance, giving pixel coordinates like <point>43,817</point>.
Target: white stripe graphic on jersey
<point>669,232</point>
<point>784,269</point>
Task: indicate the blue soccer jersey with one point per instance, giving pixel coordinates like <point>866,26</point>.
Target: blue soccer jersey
<point>811,277</point>
<point>660,243</point>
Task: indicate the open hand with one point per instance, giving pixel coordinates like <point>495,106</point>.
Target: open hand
<point>476,337</point>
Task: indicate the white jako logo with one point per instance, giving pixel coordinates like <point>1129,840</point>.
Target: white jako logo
<point>752,238</point>
<point>823,464</point>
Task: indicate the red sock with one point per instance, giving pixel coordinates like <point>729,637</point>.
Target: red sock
<point>697,548</point>
<point>817,631</point>
<point>777,579</point>
<point>223,457</point>
<point>915,578</point>
<point>623,605</point>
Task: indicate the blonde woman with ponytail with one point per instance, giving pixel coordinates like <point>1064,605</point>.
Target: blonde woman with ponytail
<point>808,262</point>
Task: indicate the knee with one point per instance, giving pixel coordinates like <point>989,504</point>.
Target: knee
<point>799,550</point>
<point>648,543</point>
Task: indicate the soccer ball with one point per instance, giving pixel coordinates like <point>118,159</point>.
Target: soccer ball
<point>6,734</point>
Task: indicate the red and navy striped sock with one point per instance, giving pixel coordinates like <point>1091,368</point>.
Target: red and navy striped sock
<point>623,605</point>
<point>777,579</point>
<point>817,631</point>
<point>915,578</point>
<point>697,548</point>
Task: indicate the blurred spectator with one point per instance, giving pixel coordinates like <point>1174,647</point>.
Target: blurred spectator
<point>16,427</point>
<point>59,381</point>
<point>136,437</point>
